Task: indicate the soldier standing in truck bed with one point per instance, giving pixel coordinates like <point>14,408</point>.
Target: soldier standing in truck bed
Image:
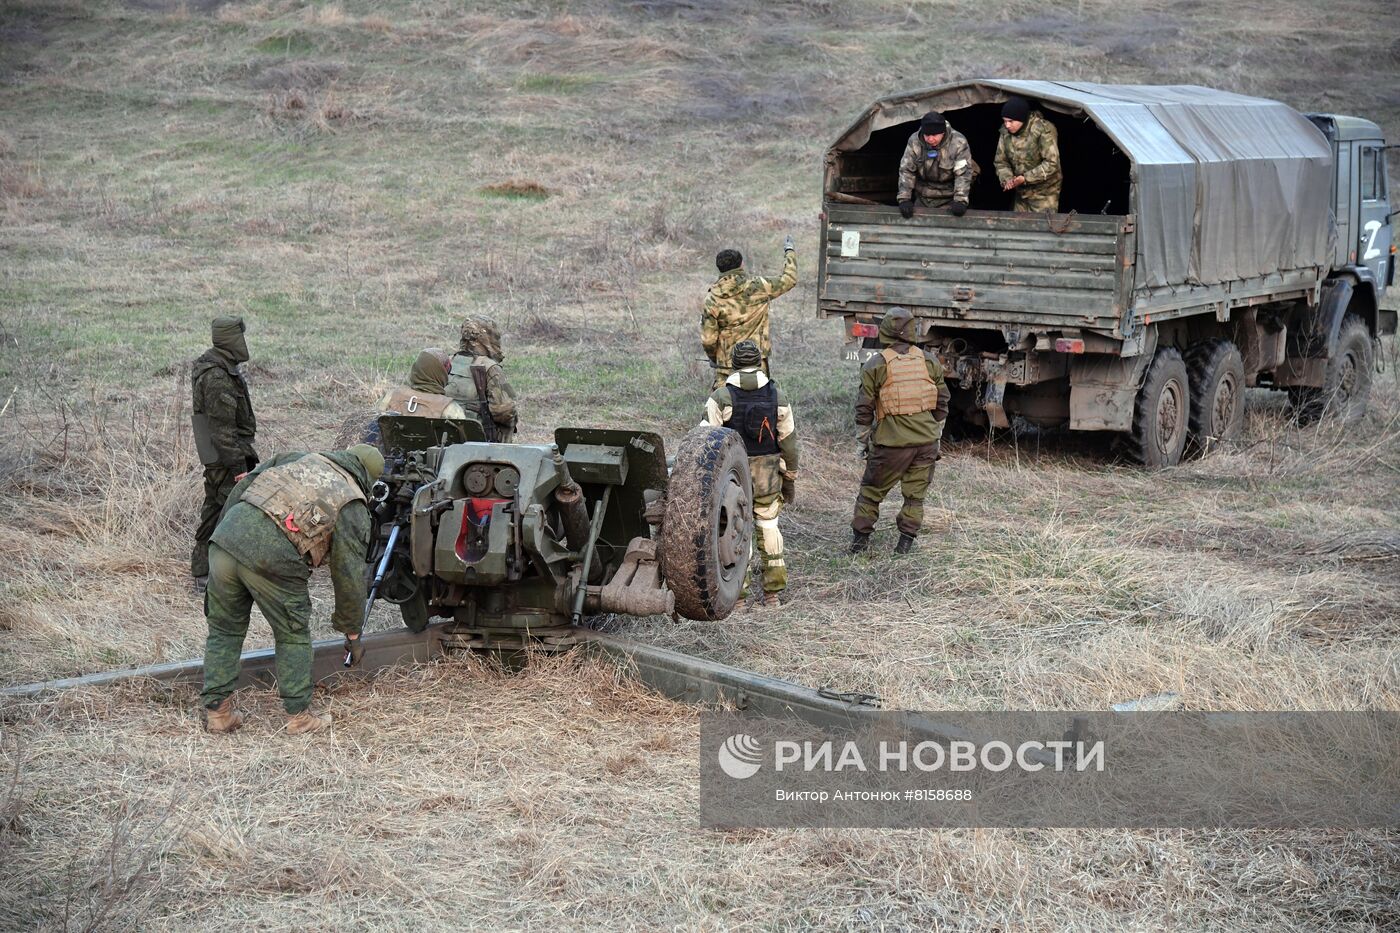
<point>901,407</point>
<point>736,308</point>
<point>223,427</point>
<point>477,380</point>
<point>294,512</point>
<point>751,404</point>
<point>936,168</point>
<point>1028,157</point>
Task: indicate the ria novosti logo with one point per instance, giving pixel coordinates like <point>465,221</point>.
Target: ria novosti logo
<point>740,756</point>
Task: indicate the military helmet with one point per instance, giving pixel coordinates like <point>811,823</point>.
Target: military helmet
<point>481,338</point>
<point>746,354</point>
<point>370,458</point>
<point>897,326</point>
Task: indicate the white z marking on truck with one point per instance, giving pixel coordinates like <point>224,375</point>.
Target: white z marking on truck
<point>1372,227</point>
<point>850,243</point>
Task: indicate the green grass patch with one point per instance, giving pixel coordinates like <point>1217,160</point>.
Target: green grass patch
<point>287,43</point>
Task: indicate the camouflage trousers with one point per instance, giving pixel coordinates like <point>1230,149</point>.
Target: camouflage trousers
<point>767,504</point>
<point>285,603</point>
<point>1037,200</point>
<point>218,483</point>
<point>911,468</point>
<point>723,372</point>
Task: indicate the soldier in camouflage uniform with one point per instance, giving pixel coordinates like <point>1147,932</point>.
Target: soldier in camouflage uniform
<point>1028,157</point>
<point>751,404</point>
<point>223,427</point>
<point>937,168</point>
<point>901,408</point>
<point>292,513</point>
<point>424,396</point>
<point>736,308</point>
<point>477,380</point>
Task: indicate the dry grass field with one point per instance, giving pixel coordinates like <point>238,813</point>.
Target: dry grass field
<point>354,177</point>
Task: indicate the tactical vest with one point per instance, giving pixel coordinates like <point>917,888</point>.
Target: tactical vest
<point>304,498</point>
<point>406,401</point>
<point>908,388</point>
<point>754,414</point>
<point>467,382</point>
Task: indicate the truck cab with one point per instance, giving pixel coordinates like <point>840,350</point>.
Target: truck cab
<point>1365,248</point>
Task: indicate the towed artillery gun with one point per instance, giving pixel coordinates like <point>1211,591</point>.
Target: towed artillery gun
<point>515,543</point>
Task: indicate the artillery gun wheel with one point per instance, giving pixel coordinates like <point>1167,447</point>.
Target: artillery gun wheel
<point>707,531</point>
<point>359,428</point>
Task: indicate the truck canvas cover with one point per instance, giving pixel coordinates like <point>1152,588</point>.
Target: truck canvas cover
<point>1225,187</point>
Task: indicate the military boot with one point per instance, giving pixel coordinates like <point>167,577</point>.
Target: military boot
<point>308,721</point>
<point>772,600</point>
<point>222,718</point>
<point>860,540</point>
<point>905,544</point>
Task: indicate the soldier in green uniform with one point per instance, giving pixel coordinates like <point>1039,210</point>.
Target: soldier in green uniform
<point>751,404</point>
<point>294,512</point>
<point>1028,157</point>
<point>477,380</point>
<point>901,408</point>
<point>937,168</point>
<point>425,395</point>
<point>223,427</point>
<point>736,308</point>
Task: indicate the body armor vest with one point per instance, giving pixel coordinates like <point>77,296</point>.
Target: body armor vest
<point>304,498</point>
<point>406,401</point>
<point>754,414</point>
<point>908,388</point>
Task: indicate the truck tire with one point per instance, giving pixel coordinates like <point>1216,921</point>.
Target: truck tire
<point>1162,414</point>
<point>1215,370</point>
<point>1346,386</point>
<point>707,529</point>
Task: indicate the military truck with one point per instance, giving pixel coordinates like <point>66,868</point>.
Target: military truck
<point>516,543</point>
<point>1205,242</point>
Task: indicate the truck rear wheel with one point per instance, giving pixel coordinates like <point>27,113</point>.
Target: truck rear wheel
<point>1346,386</point>
<point>1162,413</point>
<point>1215,370</point>
<point>707,530</point>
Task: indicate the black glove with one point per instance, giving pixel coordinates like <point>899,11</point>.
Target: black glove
<point>354,651</point>
<point>906,208</point>
<point>789,490</point>
<point>959,208</point>
<point>250,464</point>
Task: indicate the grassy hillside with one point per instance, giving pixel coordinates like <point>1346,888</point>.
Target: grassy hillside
<point>352,178</point>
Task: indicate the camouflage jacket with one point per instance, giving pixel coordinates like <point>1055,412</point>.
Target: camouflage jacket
<point>915,430</point>
<point>255,540</point>
<point>720,406</point>
<point>736,309</point>
<point>222,402</point>
<point>937,174</point>
<point>500,400</point>
<point>1034,152</point>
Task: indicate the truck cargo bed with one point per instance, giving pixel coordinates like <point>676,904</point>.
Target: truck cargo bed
<point>986,266</point>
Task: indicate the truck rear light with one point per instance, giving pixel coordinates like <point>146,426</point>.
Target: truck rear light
<point>1065,345</point>
<point>864,330</point>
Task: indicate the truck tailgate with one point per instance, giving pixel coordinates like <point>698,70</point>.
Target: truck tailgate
<point>985,266</point>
